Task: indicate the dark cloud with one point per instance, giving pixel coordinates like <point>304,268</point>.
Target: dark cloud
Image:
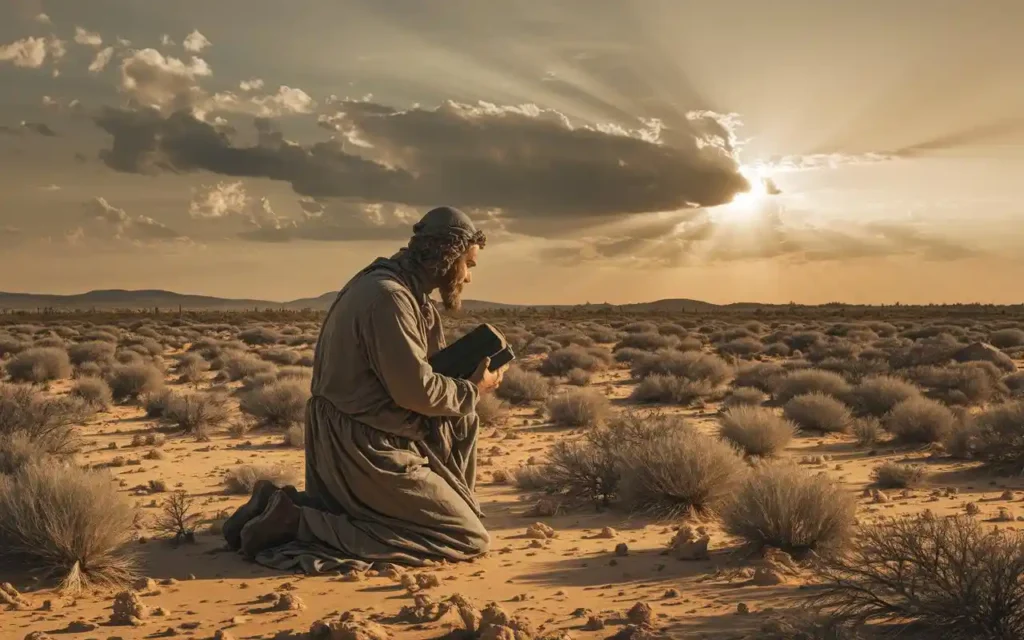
<point>41,128</point>
<point>522,160</point>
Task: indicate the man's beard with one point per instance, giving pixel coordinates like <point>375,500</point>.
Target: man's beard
<point>451,292</point>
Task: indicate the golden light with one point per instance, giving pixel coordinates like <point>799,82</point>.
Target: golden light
<point>746,204</point>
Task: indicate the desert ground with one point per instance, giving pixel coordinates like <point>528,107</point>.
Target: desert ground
<point>749,475</point>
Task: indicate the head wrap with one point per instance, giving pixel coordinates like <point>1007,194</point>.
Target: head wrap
<point>443,221</point>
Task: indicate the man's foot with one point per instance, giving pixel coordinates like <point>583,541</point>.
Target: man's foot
<point>232,529</point>
<point>278,524</point>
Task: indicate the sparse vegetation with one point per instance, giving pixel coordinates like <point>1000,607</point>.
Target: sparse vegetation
<point>279,404</point>
<point>758,431</point>
<point>520,386</point>
<point>920,420</point>
<point>39,364</point>
<point>241,479</point>
<point>578,408</point>
<point>818,412</point>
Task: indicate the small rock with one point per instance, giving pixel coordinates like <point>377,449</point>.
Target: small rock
<point>540,531</point>
<point>621,549</point>
<point>81,626</point>
<point>640,613</point>
<point>593,624</point>
<point>128,609</point>
<point>607,532</point>
<point>289,602</point>
<point>742,609</point>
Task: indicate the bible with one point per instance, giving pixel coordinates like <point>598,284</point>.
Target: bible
<point>461,358</point>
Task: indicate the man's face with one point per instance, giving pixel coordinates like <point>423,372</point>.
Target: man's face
<point>458,277</point>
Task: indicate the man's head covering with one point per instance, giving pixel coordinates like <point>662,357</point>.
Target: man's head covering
<point>444,221</point>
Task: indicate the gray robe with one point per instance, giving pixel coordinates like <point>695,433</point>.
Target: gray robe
<point>390,445</point>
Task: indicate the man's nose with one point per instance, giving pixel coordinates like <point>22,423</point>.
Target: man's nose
<point>469,277</point>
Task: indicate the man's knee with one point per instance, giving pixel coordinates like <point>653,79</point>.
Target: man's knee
<point>478,539</point>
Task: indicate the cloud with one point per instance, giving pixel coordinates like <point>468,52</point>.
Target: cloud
<point>138,228</point>
<point>51,187</point>
<point>253,84</point>
<point>524,160</point>
<point>286,101</point>
<point>42,18</point>
<point>88,38</point>
<point>163,83</point>
<point>195,42</point>
<point>102,59</point>
<point>218,201</point>
<point>166,40</point>
<point>28,53</point>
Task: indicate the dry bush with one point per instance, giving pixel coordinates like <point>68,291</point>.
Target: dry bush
<point>997,434</point>
<point>892,475</point>
<point>867,431</point>
<point>129,382</point>
<point>742,347</point>
<point>745,397</point>
<point>818,412</point>
<point>39,364</point>
<point>241,479</point>
<point>561,361</point>
<point>541,345</point>
<point>93,351</point>
<point>780,505</point>
<point>237,365</point>
<point>279,356</point>
<point>176,519</point>
<point>280,403</point>
<point>567,338</point>
<point>673,329</point>
<point>51,341</point>
<point>877,395</point>
<point>9,345</point>
<point>197,413</point>
<point>156,403</point>
<point>920,420</point>
<point>804,381</point>
<point>677,472</point>
<point>647,341</point>
<point>67,523</point>
<point>764,376</point>
<point>689,365</point>
<point>758,431</point>
<point>93,391</point>
<point>777,350</point>
<point>602,335</point>
<point>578,377</point>
<point>629,355</point>
<point>33,423</point>
<point>519,386</point>
<point>1007,338</point>
<point>144,346</point>
<point>966,383</point>
<point>949,576</point>
<point>294,436</point>
<point>641,326</point>
<point>491,410</point>
<point>532,477</point>
<point>259,336</point>
<point>669,389</point>
<point>1015,383</point>
<point>191,367</point>
<point>578,408</point>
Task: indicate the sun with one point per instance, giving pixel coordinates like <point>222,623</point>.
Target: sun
<point>747,204</point>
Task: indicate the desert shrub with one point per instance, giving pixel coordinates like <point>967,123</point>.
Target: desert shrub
<point>877,395</point>
<point>692,366</point>
<point>648,341</point>
<point>39,364</point>
<point>866,430</point>
<point>92,351</point>
<point>241,479</point>
<point>745,397</point>
<point>94,391</point>
<point>804,381</point>
<point>305,358</point>
<point>191,367</point>
<point>669,389</point>
<point>1015,383</point>
<point>294,436</point>
<point>30,420</point>
<point>629,355</point>
<point>578,408</point>
<point>177,519</point>
<point>759,375</point>
<point>1007,338</point>
<point>491,410</point>
<point>51,341</point>
<point>892,475</point>
<point>804,340</point>
<point>129,382</point>
<point>641,326</point>
<point>741,347</point>
<point>678,471</point>
<point>777,349</point>
<point>758,431</point>
<point>144,346</point>
<point>602,335</point>
<point>920,420</point>
<point>561,361</point>
<point>237,365</point>
<point>519,386</point>
<point>929,351</point>
<point>280,356</point>
<point>998,434</point>
<point>818,412</point>
<point>571,337</point>
<point>964,383</point>
<point>948,577</point>
<point>780,505</point>
<point>541,345</point>
<point>196,413</point>
<point>156,403</point>
<point>673,329</point>
<point>69,523</point>
<point>9,345</point>
<point>280,403</point>
<point>259,336</point>
<point>578,377</point>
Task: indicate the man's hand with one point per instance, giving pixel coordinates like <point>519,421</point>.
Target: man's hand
<point>485,379</point>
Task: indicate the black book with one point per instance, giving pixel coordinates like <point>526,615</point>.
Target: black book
<point>461,358</point>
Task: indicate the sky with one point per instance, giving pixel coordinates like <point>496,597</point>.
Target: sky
<point>726,150</point>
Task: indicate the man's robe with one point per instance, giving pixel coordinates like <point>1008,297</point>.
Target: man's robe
<point>390,445</point>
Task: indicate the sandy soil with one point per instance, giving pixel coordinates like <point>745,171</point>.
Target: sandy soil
<point>558,583</point>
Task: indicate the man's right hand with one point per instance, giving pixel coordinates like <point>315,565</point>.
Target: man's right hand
<point>485,379</point>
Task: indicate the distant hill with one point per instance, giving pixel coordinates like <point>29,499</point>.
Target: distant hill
<point>157,298</point>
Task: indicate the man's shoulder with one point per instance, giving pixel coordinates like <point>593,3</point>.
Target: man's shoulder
<point>377,287</point>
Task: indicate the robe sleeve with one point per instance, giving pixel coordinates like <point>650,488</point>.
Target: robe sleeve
<point>397,353</point>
